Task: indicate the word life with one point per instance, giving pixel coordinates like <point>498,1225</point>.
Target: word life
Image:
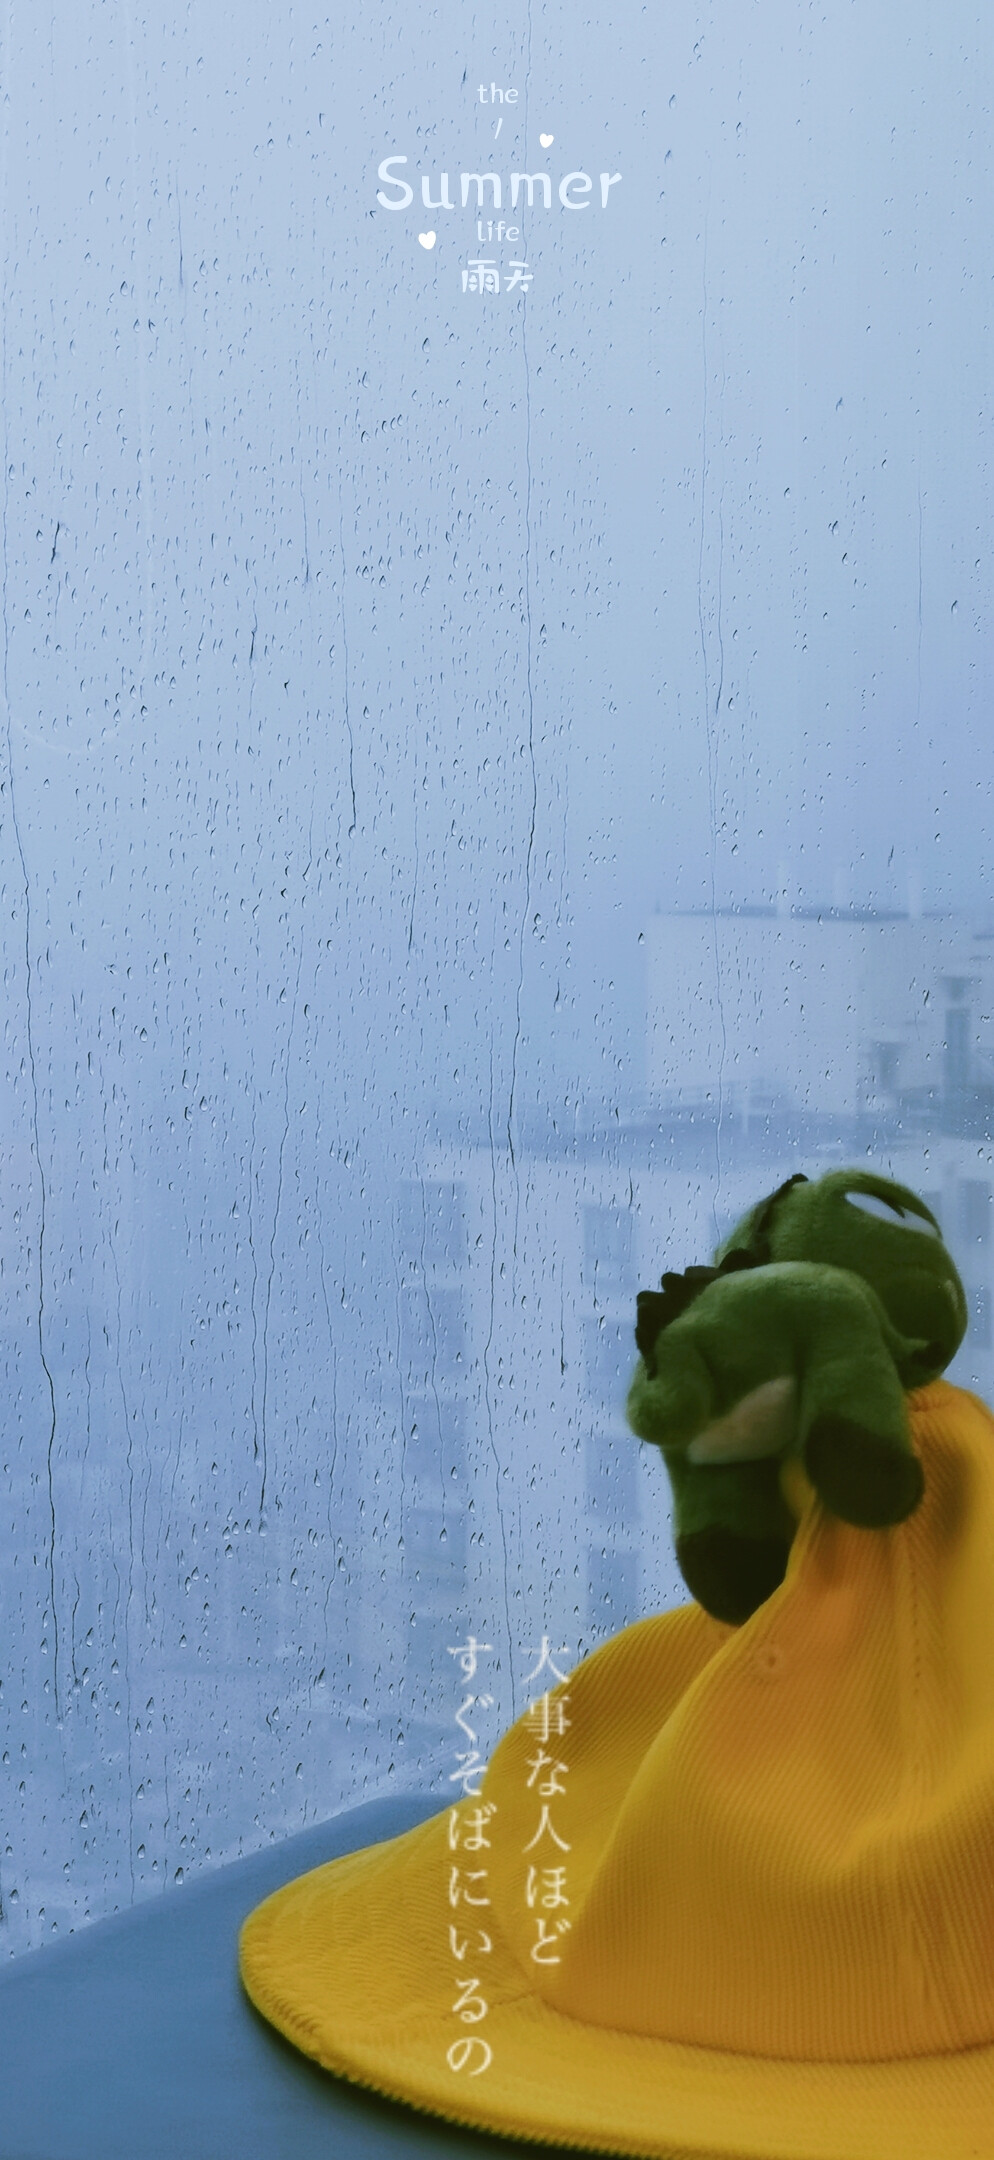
<point>573,189</point>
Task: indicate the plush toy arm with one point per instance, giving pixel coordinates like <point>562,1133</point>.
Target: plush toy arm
<point>678,1400</point>
<point>732,1528</point>
<point>854,1430</point>
<point>732,1533</point>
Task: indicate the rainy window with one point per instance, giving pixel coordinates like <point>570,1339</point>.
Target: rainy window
<point>608,1239</point>
<point>607,1358</point>
<point>495,776</point>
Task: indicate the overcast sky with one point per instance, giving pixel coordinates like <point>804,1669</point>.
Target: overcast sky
<point>479,624</point>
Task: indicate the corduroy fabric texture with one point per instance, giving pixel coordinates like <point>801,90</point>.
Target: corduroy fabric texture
<point>779,1867</point>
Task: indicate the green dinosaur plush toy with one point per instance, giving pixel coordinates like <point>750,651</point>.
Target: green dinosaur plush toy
<point>828,1301</point>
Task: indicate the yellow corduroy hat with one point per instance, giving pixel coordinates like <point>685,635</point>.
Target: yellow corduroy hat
<point>773,1847</point>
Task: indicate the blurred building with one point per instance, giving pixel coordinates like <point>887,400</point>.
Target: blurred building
<point>839,1012</point>
<point>775,1043</point>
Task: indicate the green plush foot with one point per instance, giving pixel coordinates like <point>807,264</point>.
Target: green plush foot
<point>730,1575</point>
<point>866,1481</point>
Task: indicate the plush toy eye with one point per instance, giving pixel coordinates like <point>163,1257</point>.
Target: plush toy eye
<point>911,1221</point>
<point>890,1211</point>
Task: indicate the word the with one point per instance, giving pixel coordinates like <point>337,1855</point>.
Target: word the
<point>572,183</point>
<point>497,97</point>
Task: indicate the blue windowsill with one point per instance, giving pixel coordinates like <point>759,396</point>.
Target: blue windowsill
<point>134,2041</point>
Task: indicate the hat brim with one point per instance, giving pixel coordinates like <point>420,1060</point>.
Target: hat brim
<point>352,1963</point>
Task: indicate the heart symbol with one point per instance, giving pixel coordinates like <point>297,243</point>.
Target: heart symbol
<point>427,239</point>
<point>546,140</point>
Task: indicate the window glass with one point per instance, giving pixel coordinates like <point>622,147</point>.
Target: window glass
<point>495,775</point>
<point>608,1240</point>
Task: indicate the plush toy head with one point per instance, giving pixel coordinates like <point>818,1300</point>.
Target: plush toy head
<point>880,1231</point>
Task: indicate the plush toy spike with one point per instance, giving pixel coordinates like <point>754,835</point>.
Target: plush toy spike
<point>827,1303</point>
<point>656,1308</point>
